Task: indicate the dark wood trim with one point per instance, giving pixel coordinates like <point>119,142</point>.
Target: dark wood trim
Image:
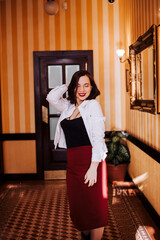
<point>38,56</point>
<point>107,134</point>
<point>153,153</point>
<point>143,41</point>
<point>18,136</point>
<point>66,54</point>
<point>152,212</point>
<point>144,106</point>
<point>38,112</point>
<point>1,146</point>
<point>22,177</point>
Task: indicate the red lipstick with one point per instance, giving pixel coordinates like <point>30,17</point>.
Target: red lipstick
<point>81,94</point>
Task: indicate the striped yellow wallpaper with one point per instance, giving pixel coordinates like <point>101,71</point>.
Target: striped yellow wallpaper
<point>144,126</point>
<point>85,25</point>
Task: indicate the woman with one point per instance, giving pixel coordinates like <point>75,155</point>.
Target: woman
<point>80,129</point>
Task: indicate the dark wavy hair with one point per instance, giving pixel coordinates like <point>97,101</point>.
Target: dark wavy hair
<point>74,84</point>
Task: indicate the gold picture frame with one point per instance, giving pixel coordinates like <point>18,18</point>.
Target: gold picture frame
<point>127,80</point>
<point>137,99</point>
<point>158,69</point>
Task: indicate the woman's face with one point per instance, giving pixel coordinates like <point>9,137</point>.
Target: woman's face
<point>83,89</point>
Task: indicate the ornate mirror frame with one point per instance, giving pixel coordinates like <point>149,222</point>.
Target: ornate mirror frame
<point>143,42</point>
<point>158,69</point>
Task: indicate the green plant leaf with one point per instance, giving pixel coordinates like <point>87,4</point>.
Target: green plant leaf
<point>120,159</point>
<point>112,134</point>
<point>113,148</point>
<point>110,156</point>
<point>115,139</point>
<point>124,152</point>
<point>118,151</point>
<point>121,135</point>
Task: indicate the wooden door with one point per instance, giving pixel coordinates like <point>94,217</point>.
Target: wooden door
<point>54,71</point>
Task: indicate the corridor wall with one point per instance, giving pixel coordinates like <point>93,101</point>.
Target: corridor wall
<point>145,171</point>
<point>25,27</point>
<point>85,25</point>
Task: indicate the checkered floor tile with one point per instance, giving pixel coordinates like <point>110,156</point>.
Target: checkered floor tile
<point>40,211</point>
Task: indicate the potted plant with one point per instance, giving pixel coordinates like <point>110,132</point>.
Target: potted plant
<point>118,156</point>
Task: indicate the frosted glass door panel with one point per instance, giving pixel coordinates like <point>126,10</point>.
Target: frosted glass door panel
<point>52,110</point>
<point>53,124</point>
<point>54,76</point>
<point>70,70</point>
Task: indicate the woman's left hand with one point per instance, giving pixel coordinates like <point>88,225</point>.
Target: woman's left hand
<point>91,175</point>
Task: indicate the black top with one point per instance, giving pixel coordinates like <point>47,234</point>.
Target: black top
<point>75,132</point>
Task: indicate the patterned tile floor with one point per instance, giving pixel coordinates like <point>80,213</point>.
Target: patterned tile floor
<point>39,210</point>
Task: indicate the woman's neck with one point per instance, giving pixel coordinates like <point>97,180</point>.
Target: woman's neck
<point>78,103</point>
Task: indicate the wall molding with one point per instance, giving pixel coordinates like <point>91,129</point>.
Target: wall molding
<point>152,152</point>
<point>150,209</point>
<point>17,136</point>
<point>22,177</point>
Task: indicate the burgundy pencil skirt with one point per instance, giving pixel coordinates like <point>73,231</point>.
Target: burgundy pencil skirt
<point>88,205</point>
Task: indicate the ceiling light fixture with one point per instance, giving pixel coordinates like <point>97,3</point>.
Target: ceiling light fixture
<point>51,7</point>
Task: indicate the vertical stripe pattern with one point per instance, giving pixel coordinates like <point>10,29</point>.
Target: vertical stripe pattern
<point>144,126</point>
<point>85,25</point>
<point>10,69</point>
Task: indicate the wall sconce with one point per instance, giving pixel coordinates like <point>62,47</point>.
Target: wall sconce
<point>51,7</point>
<point>120,53</point>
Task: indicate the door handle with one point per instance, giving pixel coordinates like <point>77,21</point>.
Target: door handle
<point>45,114</point>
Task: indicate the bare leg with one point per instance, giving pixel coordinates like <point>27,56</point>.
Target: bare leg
<point>97,233</point>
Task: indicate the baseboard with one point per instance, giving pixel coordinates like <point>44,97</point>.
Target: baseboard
<point>55,175</point>
<point>152,212</point>
<point>149,208</point>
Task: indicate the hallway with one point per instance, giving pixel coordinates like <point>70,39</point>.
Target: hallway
<point>39,210</point>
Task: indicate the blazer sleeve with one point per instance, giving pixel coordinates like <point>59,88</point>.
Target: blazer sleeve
<point>55,98</point>
<point>99,149</point>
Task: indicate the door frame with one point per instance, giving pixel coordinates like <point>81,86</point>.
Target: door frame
<point>37,57</point>
<point>1,146</point>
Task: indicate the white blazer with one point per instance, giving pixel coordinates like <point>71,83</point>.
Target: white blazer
<point>92,116</point>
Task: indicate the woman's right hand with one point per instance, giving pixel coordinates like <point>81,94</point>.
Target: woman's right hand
<point>90,177</point>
